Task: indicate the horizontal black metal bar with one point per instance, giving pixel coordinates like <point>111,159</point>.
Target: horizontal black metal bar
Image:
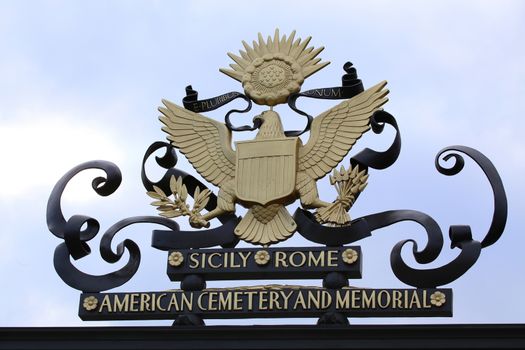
<point>457,336</point>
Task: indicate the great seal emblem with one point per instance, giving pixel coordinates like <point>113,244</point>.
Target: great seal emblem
<point>274,169</point>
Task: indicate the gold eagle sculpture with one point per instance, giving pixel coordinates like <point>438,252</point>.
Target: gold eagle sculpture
<point>273,170</point>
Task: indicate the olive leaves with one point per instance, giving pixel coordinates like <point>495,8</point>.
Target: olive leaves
<point>172,208</point>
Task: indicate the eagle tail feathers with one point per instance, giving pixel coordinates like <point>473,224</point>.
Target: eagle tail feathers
<point>266,225</point>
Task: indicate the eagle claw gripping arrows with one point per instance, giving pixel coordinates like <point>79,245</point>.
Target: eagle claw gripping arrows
<point>265,175</point>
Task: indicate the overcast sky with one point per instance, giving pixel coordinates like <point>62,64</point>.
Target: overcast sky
<point>82,80</point>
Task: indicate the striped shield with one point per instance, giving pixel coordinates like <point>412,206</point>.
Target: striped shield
<point>266,169</point>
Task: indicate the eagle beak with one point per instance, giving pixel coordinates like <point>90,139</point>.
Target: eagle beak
<point>257,121</point>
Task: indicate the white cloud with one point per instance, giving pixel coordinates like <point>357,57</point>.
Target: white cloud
<point>37,152</point>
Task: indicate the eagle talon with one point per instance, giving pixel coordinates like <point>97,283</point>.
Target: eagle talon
<point>196,221</point>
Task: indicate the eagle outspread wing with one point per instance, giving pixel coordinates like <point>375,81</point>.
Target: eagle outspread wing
<point>205,142</point>
<point>334,132</point>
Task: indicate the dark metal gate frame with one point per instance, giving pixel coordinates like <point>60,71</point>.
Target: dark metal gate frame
<point>460,336</point>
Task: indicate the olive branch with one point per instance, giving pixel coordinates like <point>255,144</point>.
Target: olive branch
<point>348,184</point>
<point>172,208</point>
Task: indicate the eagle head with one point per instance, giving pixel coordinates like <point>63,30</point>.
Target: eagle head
<point>269,124</point>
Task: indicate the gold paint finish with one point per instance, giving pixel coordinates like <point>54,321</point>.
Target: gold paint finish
<point>90,303</point>
<point>273,170</point>
<point>349,184</point>
<point>437,299</point>
<point>177,207</point>
<point>271,70</point>
<point>350,256</point>
<point>262,257</point>
<point>175,259</point>
<point>266,169</point>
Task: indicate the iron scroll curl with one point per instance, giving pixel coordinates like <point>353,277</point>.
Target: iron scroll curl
<point>75,237</point>
<point>499,216</point>
<point>460,235</point>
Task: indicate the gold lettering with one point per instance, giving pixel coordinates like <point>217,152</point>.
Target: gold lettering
<point>286,297</point>
<point>173,303</point>
<point>425,304</point>
<point>369,301</point>
<point>210,260</point>
<point>237,301</point>
<point>187,303</point>
<point>326,299</point>
<point>312,261</point>
<point>300,300</point>
<point>121,306</point>
<point>203,260</point>
<point>414,300</point>
<point>211,300</point>
<point>396,299</point>
<point>245,258</point>
<point>380,299</point>
<point>225,301</point>
<point>232,261</point>
<point>105,302</point>
<point>262,299</point>
<point>199,301</point>
<point>332,258</point>
<point>342,302</point>
<point>250,299</point>
<point>153,298</point>
<point>280,259</point>
<point>313,299</point>
<point>356,298</point>
<point>194,263</point>
<point>134,302</point>
<point>301,262</point>
<point>224,259</point>
<point>159,298</point>
<point>274,300</point>
<point>144,302</point>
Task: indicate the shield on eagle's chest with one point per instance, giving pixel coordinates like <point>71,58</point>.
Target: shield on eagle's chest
<point>266,169</point>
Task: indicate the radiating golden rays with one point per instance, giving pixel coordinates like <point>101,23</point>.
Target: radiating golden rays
<point>271,70</point>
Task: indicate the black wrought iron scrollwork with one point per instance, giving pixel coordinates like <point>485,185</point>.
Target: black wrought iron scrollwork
<point>70,230</point>
<point>75,237</point>
<point>460,235</point>
<point>368,158</point>
<point>499,217</point>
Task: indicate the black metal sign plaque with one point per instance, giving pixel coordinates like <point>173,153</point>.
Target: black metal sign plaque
<point>267,301</point>
<point>270,263</point>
